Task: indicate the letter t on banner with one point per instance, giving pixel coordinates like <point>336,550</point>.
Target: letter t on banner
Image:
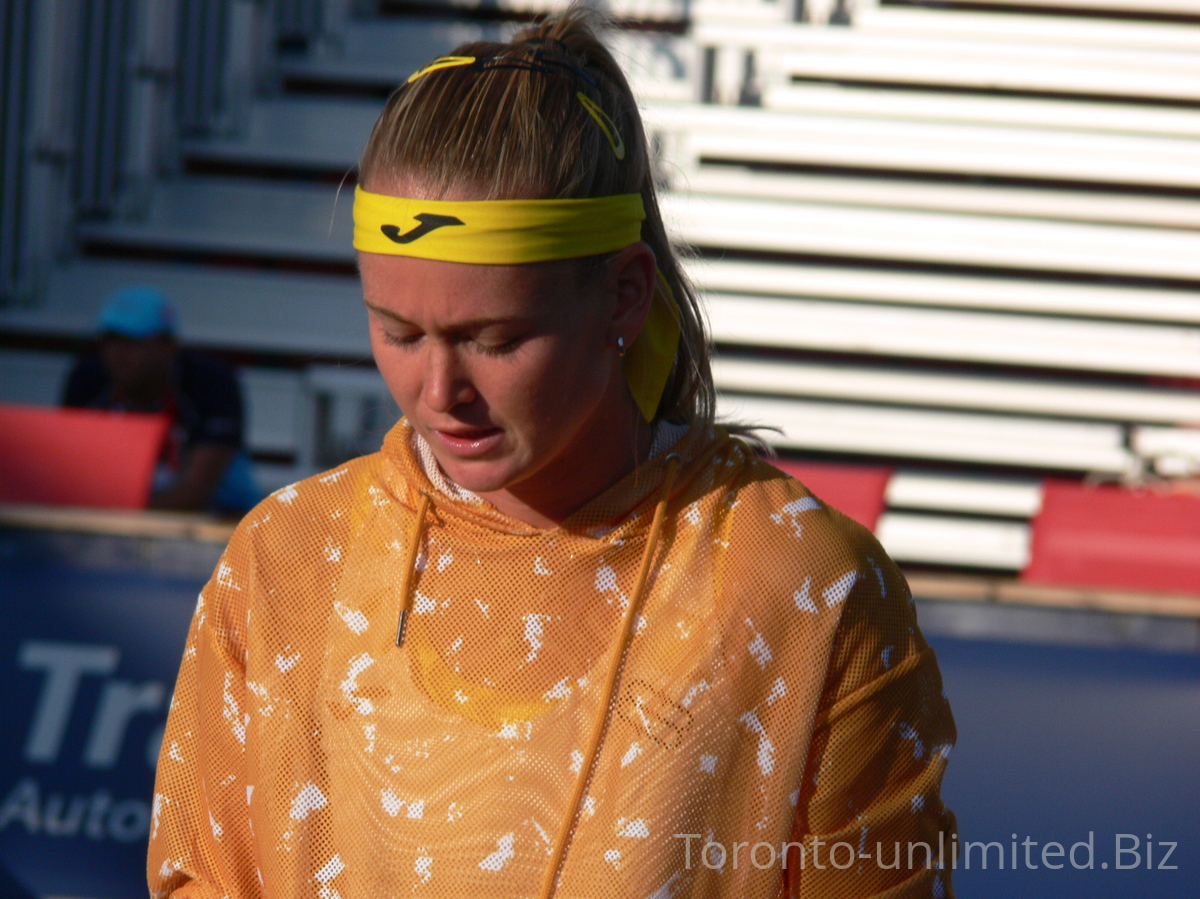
<point>65,664</point>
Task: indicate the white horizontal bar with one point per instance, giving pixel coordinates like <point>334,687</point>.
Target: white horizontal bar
<point>1146,78</point>
<point>308,132</point>
<point>1026,396</point>
<point>1150,45</point>
<point>284,312</point>
<point>749,136</point>
<point>766,12</point>
<point>293,221</point>
<point>1136,7</point>
<point>965,437</point>
<point>965,291</point>
<point>946,334</point>
<point>1066,205</point>
<point>1022,112</point>
<point>798,50</point>
<point>1158,441</point>
<point>1018,498</point>
<point>296,131</point>
<point>1005,26</point>
<point>917,236</point>
<point>944,540</point>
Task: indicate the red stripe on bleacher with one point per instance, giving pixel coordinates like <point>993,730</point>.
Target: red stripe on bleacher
<point>1115,537</point>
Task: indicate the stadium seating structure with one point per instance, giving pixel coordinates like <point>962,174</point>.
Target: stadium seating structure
<point>951,251</point>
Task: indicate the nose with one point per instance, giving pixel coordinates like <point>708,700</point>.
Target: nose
<point>447,381</point>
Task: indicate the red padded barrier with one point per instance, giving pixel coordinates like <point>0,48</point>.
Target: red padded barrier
<point>856,490</point>
<point>1113,537</point>
<point>78,457</point>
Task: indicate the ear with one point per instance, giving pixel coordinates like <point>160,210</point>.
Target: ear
<point>631,280</point>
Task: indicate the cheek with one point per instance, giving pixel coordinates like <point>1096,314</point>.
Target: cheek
<point>569,384</point>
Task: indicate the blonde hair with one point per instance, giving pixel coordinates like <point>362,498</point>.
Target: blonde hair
<point>513,127</point>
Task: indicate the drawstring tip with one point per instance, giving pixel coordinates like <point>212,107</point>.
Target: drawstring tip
<point>410,565</point>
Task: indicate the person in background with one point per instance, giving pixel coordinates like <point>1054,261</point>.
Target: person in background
<point>140,367</point>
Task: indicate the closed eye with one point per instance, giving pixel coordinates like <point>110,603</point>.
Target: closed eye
<point>404,341</point>
<point>408,341</point>
<point>499,349</point>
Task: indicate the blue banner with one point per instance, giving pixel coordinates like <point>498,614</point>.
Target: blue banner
<point>1085,749</point>
<point>93,633</point>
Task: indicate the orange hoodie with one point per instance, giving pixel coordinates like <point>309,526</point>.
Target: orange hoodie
<point>761,719</point>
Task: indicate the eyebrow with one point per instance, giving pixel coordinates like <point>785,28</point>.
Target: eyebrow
<point>386,313</point>
<point>470,325</point>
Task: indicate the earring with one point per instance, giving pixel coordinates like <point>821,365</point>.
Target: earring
<point>620,346</point>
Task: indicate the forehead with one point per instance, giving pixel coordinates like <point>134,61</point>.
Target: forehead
<point>444,292</point>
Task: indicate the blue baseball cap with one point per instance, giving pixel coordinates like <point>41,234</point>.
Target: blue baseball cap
<point>137,312</point>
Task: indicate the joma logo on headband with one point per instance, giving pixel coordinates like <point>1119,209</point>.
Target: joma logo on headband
<point>429,222</point>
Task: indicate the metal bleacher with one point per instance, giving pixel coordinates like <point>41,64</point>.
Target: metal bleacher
<point>964,196</point>
<point>965,243</point>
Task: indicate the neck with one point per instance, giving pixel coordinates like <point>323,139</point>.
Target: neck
<point>569,483</point>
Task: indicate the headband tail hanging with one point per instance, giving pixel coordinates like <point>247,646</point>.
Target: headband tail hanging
<point>648,362</point>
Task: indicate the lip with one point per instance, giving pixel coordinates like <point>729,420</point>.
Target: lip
<point>469,443</point>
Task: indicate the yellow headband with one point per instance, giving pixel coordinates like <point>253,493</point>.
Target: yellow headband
<point>514,232</point>
<point>495,232</point>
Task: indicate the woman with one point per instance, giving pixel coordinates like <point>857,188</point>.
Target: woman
<point>562,636</point>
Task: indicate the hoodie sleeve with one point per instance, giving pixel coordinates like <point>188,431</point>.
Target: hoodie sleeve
<point>870,821</point>
<point>200,840</point>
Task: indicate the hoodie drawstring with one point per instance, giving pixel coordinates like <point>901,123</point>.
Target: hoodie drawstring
<point>550,883</point>
<point>410,566</point>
